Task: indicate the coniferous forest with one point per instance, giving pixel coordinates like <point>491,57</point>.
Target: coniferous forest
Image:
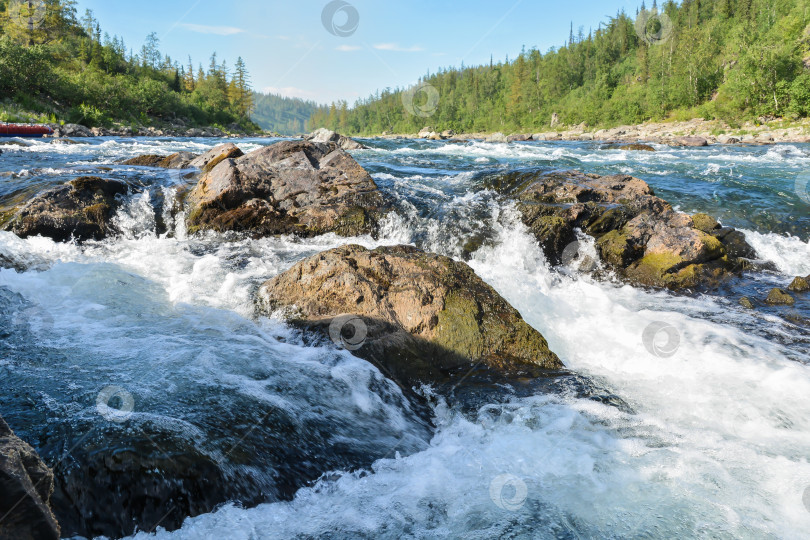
<point>732,60</point>
<point>66,68</point>
<point>284,115</point>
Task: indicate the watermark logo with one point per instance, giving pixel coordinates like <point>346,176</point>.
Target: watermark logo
<point>340,18</point>
<point>348,332</point>
<point>661,339</point>
<point>653,27</point>
<point>421,100</point>
<point>28,13</point>
<point>806,498</point>
<point>575,255</point>
<point>802,187</point>
<point>115,404</point>
<point>508,492</point>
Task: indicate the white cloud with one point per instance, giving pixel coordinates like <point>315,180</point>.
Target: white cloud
<point>396,47</point>
<point>218,30</point>
<point>348,48</point>
<point>290,91</point>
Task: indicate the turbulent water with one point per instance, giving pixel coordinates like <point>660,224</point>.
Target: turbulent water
<point>708,435</point>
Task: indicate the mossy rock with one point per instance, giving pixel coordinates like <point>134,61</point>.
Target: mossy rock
<point>146,160</point>
<point>610,220</point>
<point>778,297</point>
<point>554,234</point>
<point>668,271</point>
<point>746,303</point>
<point>705,223</point>
<point>615,249</point>
<point>637,147</point>
<point>799,285</point>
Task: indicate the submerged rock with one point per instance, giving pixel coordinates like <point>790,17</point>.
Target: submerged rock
<point>419,316</point>
<point>80,209</point>
<point>324,135</point>
<point>290,187</point>
<point>778,297</point>
<point>26,485</point>
<point>638,235</point>
<point>637,147</point>
<point>179,160</point>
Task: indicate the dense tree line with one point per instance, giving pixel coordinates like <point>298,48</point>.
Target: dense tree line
<point>55,63</point>
<point>718,59</point>
<point>284,115</point>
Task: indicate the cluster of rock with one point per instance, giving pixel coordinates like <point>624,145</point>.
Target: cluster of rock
<point>177,129</point>
<point>697,132</point>
<point>638,235</point>
<point>324,135</point>
<point>432,135</point>
<point>781,297</point>
<point>292,187</point>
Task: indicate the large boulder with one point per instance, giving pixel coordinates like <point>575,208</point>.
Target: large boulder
<point>81,209</point>
<point>497,138</point>
<point>421,317</point>
<point>638,235</point>
<point>290,187</point>
<point>26,485</point>
<point>324,135</point>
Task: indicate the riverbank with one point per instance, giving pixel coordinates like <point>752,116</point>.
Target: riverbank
<point>713,131</point>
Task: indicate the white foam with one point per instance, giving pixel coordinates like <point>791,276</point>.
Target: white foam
<point>790,254</point>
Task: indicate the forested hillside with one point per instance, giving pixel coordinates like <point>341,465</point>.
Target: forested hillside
<point>284,115</point>
<point>717,59</point>
<point>66,68</point>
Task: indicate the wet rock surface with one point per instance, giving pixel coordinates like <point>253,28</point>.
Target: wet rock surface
<point>81,209</point>
<point>295,187</point>
<point>638,235</point>
<point>419,316</point>
<point>324,135</point>
<point>26,485</point>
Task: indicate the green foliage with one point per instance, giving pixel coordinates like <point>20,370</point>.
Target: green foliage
<point>66,67</point>
<point>725,59</point>
<point>284,115</point>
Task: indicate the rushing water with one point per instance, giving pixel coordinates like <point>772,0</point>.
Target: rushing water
<point>710,438</point>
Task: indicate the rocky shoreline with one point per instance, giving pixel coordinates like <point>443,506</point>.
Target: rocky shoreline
<point>768,131</point>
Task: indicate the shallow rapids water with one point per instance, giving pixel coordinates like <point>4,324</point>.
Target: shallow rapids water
<point>144,353</point>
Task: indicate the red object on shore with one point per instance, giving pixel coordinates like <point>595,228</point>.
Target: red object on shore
<point>24,130</point>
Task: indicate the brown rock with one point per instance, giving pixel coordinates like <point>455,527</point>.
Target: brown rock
<point>799,285</point>
<point>418,315</point>
<point>637,147</point>
<point>26,485</point>
<point>179,160</point>
<point>211,158</point>
<point>290,187</point>
<point>638,234</point>
<point>746,303</point>
<point>81,209</point>
<point>778,297</point>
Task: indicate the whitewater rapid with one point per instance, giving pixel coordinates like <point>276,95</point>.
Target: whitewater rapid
<point>712,441</point>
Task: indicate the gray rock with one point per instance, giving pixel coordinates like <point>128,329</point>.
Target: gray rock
<point>296,187</point>
<point>26,486</point>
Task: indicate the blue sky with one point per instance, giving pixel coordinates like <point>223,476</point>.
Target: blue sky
<point>289,50</point>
